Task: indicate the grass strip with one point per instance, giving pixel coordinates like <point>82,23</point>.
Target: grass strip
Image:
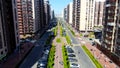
<point>65,57</point>
<point>58,40</point>
<point>98,65</point>
<point>50,63</point>
<point>68,39</point>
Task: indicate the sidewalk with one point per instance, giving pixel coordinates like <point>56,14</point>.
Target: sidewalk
<point>58,53</point>
<point>14,59</point>
<point>102,58</point>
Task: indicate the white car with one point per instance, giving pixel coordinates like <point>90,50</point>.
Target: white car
<point>74,65</point>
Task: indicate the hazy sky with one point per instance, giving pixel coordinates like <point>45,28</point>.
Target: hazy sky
<point>59,5</point>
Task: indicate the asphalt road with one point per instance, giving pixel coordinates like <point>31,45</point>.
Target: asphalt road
<point>36,53</point>
<point>73,40</point>
<point>85,62</point>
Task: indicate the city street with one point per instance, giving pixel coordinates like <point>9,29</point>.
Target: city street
<point>85,61</point>
<point>36,52</point>
<point>103,59</point>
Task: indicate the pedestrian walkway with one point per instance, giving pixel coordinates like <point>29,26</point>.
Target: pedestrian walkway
<point>58,63</point>
<point>102,58</point>
<point>14,59</point>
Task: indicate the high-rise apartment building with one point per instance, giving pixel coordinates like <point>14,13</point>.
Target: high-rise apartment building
<point>98,17</point>
<point>38,12</point>
<point>76,14</point>
<point>90,8</point>
<point>42,14</point>
<point>65,14</point>
<point>47,12</point>
<point>111,31</point>
<point>9,36</point>
<point>52,14</point>
<point>83,15</point>
<point>70,12</point>
<point>67,9</point>
<point>25,19</point>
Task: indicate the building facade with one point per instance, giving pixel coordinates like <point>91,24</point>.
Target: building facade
<point>70,12</point>
<point>25,18</point>
<point>47,10</point>
<point>111,31</point>
<point>9,36</point>
<point>83,15</point>
<point>65,14</point>
<point>99,9</point>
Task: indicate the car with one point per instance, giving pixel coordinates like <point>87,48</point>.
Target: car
<point>41,65</point>
<point>90,38</point>
<point>70,50</point>
<point>67,46</point>
<point>74,65</point>
<point>72,60</point>
<point>71,55</point>
<point>110,61</point>
<point>93,43</point>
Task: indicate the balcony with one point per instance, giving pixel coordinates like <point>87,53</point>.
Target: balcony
<point>111,20</point>
<point>119,25</point>
<point>112,7</point>
<point>18,1</point>
<point>118,40</point>
<point>111,15</point>
<point>111,24</point>
<point>109,38</point>
<point>112,0</point>
<point>19,13</point>
<point>109,33</point>
<point>20,19</point>
<point>19,7</point>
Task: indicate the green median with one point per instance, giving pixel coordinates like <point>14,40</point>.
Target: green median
<point>98,65</point>
<point>68,39</point>
<point>65,57</point>
<point>50,63</point>
<point>58,40</point>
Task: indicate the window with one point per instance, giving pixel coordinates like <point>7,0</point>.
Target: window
<point>15,14</point>
<point>5,50</point>
<point>0,41</point>
<point>1,52</point>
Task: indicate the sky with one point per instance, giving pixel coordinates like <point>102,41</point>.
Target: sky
<point>59,5</point>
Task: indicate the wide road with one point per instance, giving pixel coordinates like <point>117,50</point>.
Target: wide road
<point>36,52</point>
<point>85,61</point>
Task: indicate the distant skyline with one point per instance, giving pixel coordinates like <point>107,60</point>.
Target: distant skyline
<point>59,5</point>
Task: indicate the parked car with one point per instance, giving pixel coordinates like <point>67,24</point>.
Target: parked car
<point>74,65</point>
<point>71,55</point>
<point>90,38</point>
<point>93,43</point>
<point>70,50</point>
<point>42,63</point>
<point>72,60</point>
